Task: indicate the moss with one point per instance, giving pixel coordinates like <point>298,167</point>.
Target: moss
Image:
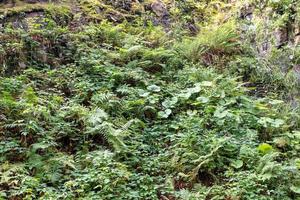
<point>92,8</point>
<point>98,10</point>
<point>53,9</point>
<point>8,12</point>
<point>33,15</point>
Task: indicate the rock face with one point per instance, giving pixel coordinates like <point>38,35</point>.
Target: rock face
<point>246,12</point>
<point>13,2</point>
<point>25,21</point>
<point>281,37</point>
<point>159,8</point>
<point>161,11</point>
<point>31,1</point>
<point>297,37</point>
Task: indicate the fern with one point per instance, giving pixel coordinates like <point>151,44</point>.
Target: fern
<point>99,125</point>
<point>111,135</point>
<point>210,44</point>
<point>108,102</point>
<point>101,99</point>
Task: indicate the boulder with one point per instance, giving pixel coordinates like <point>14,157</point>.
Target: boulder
<point>281,36</point>
<point>159,8</point>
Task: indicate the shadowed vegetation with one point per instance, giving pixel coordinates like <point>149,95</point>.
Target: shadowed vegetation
<point>149,100</point>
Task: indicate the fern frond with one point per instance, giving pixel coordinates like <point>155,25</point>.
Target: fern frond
<point>127,125</point>
<point>98,116</point>
<point>99,125</point>
<point>211,43</point>
<point>102,98</point>
<point>110,134</point>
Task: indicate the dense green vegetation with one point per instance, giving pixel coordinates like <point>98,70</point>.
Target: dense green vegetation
<point>165,100</point>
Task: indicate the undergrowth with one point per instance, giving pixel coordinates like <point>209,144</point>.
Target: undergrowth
<point>131,110</point>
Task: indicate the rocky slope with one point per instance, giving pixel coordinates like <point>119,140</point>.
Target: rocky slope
<point>153,99</point>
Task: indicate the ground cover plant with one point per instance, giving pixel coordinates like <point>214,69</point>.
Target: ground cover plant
<point>149,100</point>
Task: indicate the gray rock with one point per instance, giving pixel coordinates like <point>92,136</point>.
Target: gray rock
<point>281,36</point>
<point>159,8</point>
